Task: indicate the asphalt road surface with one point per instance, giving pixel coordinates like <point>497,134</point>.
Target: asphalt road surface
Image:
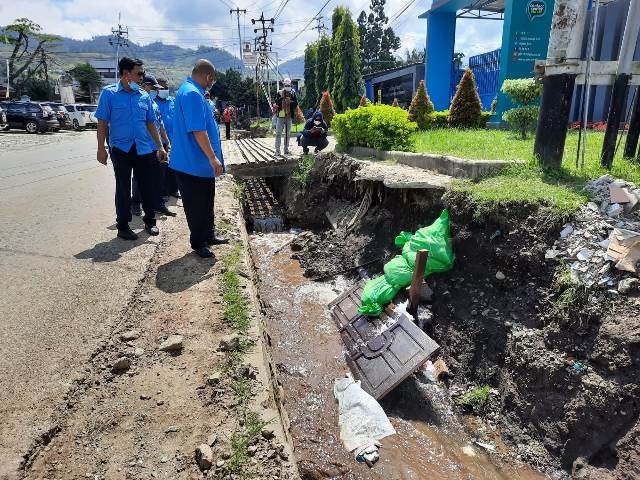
<point>64,277</point>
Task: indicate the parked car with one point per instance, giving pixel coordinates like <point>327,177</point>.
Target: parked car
<point>32,116</point>
<point>3,120</point>
<point>61,114</point>
<point>82,115</point>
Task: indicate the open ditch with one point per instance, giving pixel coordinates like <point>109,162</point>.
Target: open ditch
<point>496,317</point>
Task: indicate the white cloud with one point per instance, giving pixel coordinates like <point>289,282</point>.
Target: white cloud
<point>207,22</point>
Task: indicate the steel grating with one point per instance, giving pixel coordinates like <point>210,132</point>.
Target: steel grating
<point>262,208</point>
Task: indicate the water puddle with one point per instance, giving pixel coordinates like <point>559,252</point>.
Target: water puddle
<point>306,347</point>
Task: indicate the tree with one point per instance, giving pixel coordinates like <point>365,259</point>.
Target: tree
<point>326,107</point>
<point>347,83</point>
<point>364,101</point>
<point>414,56</point>
<point>322,63</point>
<point>457,60</point>
<point>88,77</point>
<point>466,108</point>
<point>421,107</point>
<point>377,43</point>
<point>310,59</point>
<point>395,102</point>
<point>526,92</point>
<point>339,13</point>
<point>298,117</point>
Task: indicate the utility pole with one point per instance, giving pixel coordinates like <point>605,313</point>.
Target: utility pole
<point>262,49</point>
<point>621,84</point>
<point>46,74</point>
<point>120,38</point>
<point>238,11</point>
<point>565,50</point>
<point>320,26</point>
<point>8,80</point>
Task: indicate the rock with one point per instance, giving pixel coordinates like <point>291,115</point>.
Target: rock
<point>426,294</point>
<point>441,371</point>
<point>268,433</point>
<point>172,344</point>
<point>121,365</point>
<point>172,429</point>
<point>204,457</point>
<point>468,451</point>
<point>138,352</point>
<point>226,455</point>
<point>500,276</point>
<point>551,254</point>
<point>283,455</point>
<point>246,371</point>
<point>130,335</point>
<point>614,210</point>
<point>271,454</point>
<point>145,397</point>
<point>214,379</point>
<point>213,438</point>
<point>220,463</point>
<point>566,231</point>
<point>252,449</point>
<point>628,285</point>
<point>229,343</point>
<point>584,255</point>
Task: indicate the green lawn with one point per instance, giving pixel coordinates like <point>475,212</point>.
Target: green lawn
<point>525,182</point>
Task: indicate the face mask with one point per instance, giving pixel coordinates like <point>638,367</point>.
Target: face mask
<point>287,89</point>
<point>135,86</point>
<point>153,94</point>
<point>317,122</point>
<point>164,94</point>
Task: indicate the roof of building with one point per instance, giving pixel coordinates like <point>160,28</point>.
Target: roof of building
<point>390,70</point>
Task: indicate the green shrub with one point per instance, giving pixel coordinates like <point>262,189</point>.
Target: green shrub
<point>526,92</point>
<point>440,119</point>
<point>484,119</point>
<point>421,107</point>
<point>466,108</point>
<point>382,127</point>
<point>475,400</point>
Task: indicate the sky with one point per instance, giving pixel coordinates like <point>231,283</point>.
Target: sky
<point>190,23</point>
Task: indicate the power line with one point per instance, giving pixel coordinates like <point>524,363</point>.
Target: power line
<point>309,23</point>
<point>120,38</point>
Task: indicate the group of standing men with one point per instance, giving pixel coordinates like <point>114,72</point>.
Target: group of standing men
<point>167,143</point>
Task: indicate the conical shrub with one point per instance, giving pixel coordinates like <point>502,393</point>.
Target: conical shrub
<point>421,107</point>
<point>395,102</point>
<point>364,101</point>
<point>326,107</point>
<point>466,108</point>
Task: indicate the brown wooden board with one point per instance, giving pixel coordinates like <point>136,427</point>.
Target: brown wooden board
<point>381,352</point>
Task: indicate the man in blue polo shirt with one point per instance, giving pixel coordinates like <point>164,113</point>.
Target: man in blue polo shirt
<point>165,104</point>
<point>196,156</point>
<point>127,114</point>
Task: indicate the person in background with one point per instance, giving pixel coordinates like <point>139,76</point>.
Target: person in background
<point>274,116</point>
<point>165,104</point>
<point>196,157</point>
<point>126,113</point>
<point>314,134</point>
<point>226,118</point>
<point>286,102</point>
<point>151,86</point>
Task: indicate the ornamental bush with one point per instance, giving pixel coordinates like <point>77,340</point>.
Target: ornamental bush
<point>364,101</point>
<point>382,127</point>
<point>395,102</point>
<point>421,107</point>
<point>466,108</point>
<point>326,107</point>
<point>526,92</point>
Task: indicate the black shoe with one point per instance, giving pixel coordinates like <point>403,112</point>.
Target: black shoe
<point>316,150</point>
<point>166,211</point>
<point>127,234</point>
<point>176,195</point>
<point>152,230</point>
<point>136,210</point>
<point>203,252</point>
<point>217,241</point>
<point>305,150</point>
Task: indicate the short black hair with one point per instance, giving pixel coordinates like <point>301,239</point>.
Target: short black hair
<point>127,64</point>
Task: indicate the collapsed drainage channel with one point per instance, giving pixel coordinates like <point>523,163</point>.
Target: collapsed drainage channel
<point>504,317</point>
<point>302,270</point>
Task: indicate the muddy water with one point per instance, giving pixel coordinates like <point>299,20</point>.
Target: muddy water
<point>430,442</point>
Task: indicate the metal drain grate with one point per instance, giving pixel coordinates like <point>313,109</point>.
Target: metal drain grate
<point>264,211</point>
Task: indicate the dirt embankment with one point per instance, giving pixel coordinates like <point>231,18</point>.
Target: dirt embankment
<point>504,316</point>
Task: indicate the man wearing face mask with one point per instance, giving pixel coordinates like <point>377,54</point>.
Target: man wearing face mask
<point>314,134</point>
<point>151,86</point>
<point>165,104</point>
<point>286,104</point>
<point>196,157</point>
<point>127,114</point>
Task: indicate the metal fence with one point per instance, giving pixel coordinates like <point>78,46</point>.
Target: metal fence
<point>486,69</point>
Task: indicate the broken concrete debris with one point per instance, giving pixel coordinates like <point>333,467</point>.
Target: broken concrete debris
<point>604,234</point>
<point>172,344</point>
<point>204,456</point>
<point>362,420</point>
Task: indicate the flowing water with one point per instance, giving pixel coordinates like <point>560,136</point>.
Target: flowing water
<point>430,442</point>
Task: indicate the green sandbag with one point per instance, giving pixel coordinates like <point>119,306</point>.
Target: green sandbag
<point>376,294</point>
<point>435,238</point>
<point>398,272</point>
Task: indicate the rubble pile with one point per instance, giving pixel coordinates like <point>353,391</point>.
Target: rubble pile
<point>603,242</point>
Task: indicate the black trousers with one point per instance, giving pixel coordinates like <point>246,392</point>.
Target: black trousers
<point>170,182</point>
<point>124,163</point>
<point>227,126</point>
<point>157,181</point>
<point>198,198</point>
<point>319,142</point>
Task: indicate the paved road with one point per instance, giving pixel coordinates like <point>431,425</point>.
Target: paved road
<point>64,277</point>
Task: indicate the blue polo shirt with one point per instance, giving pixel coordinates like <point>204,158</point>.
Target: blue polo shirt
<point>166,110</point>
<point>128,115</point>
<point>192,114</point>
<point>149,143</point>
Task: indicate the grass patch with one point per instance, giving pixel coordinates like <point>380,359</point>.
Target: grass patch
<point>236,305</point>
<point>240,441</point>
<point>301,174</point>
<point>475,399</point>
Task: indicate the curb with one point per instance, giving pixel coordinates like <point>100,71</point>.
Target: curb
<point>444,164</point>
